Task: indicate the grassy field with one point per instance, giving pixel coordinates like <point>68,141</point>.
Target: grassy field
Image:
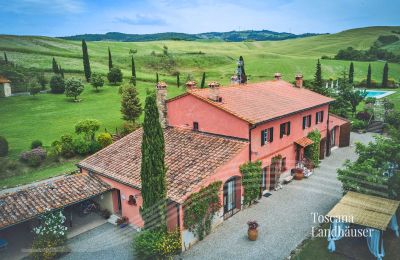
<point>47,116</point>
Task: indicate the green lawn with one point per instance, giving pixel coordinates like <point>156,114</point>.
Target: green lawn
<point>48,116</point>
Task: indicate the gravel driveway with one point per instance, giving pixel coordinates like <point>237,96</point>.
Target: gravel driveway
<point>285,217</point>
<point>104,242</point>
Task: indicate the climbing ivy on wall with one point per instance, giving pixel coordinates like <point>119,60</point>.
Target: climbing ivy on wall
<point>200,208</point>
<point>251,181</point>
<point>312,151</point>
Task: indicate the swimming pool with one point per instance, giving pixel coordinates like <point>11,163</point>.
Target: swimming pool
<point>378,93</point>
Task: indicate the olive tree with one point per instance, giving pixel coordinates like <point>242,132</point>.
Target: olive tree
<point>73,88</point>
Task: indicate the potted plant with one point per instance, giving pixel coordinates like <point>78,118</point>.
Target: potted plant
<point>252,232</point>
<point>298,174</point>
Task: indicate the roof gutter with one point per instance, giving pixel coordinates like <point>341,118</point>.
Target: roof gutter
<point>251,127</point>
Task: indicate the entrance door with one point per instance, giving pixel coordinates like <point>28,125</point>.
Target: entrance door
<point>264,180</point>
<point>229,197</point>
<point>119,201</point>
<point>333,137</point>
<point>272,177</point>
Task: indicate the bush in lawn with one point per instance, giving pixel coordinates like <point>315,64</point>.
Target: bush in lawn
<point>94,147</point>
<point>36,144</point>
<point>73,88</point>
<point>57,84</point>
<point>67,147</point>
<point>128,127</point>
<point>370,100</point>
<point>34,87</point>
<point>54,152</point>
<point>104,139</point>
<point>153,244</point>
<point>34,157</point>
<point>81,146</point>
<point>96,81</point>
<point>42,80</point>
<point>393,118</point>
<point>88,127</point>
<point>50,236</point>
<point>363,115</point>
<point>357,125</point>
<point>3,146</point>
<point>114,76</point>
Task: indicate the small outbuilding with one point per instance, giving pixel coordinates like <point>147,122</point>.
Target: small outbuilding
<point>5,87</point>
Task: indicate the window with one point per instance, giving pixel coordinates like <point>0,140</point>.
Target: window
<point>285,129</point>
<point>196,126</point>
<point>306,121</point>
<point>267,136</point>
<point>319,117</point>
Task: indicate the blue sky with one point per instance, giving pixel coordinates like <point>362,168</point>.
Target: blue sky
<point>70,17</point>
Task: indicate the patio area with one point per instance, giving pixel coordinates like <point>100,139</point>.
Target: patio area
<point>285,218</point>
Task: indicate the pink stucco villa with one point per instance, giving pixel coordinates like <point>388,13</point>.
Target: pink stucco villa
<point>209,133</point>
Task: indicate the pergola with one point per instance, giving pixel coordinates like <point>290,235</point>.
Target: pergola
<point>373,213</point>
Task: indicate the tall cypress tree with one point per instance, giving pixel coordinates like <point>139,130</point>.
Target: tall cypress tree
<point>5,57</point>
<point>178,81</point>
<point>110,65</point>
<point>153,170</point>
<point>133,79</point>
<point>318,75</point>
<point>61,71</point>
<point>385,76</point>
<point>55,67</point>
<point>86,62</point>
<point>157,79</point>
<point>369,75</point>
<point>203,80</point>
<point>241,72</point>
<point>351,73</point>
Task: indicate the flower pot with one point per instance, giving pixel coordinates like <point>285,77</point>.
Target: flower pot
<point>298,174</point>
<point>252,234</point>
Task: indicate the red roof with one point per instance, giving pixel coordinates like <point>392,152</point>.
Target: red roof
<point>190,158</point>
<point>258,102</point>
<point>4,80</point>
<point>304,142</point>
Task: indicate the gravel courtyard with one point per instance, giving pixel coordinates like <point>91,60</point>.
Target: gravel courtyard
<point>102,243</point>
<point>285,217</point>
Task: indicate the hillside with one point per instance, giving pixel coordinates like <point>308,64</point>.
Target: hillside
<point>232,36</point>
<point>217,59</point>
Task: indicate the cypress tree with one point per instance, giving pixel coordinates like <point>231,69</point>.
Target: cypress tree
<point>133,72</point>
<point>86,62</point>
<point>318,75</point>
<point>351,73</point>
<point>55,66</point>
<point>385,76</point>
<point>241,72</point>
<point>153,170</point>
<point>178,82</point>
<point>203,80</point>
<point>110,65</point>
<point>61,72</point>
<point>5,57</point>
<point>157,80</point>
<point>369,74</point>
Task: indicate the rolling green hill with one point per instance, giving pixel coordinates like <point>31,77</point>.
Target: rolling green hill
<point>217,59</point>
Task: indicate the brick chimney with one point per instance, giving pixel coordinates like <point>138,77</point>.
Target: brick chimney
<point>299,81</point>
<point>214,91</point>
<point>278,76</point>
<point>161,89</point>
<point>190,85</point>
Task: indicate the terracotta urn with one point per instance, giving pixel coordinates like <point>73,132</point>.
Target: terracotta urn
<point>298,174</point>
<point>252,234</point>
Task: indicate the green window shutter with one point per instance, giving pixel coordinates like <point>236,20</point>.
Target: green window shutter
<point>309,121</point>
<point>263,137</point>
<point>271,134</point>
<point>288,128</point>
<point>304,122</point>
<point>322,116</point>
<point>282,130</point>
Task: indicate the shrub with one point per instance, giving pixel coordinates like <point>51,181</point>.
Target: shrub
<point>363,115</point>
<point>42,80</point>
<point>97,81</point>
<point>36,144</point>
<point>114,76</point>
<point>67,147</point>
<point>94,147</point>
<point>393,119</point>
<point>370,100</point>
<point>34,87</point>
<point>128,127</point>
<point>81,146</point>
<point>358,125</point>
<point>104,139</point>
<point>57,84</point>
<point>151,244</point>
<point>73,88</point>
<point>54,151</point>
<point>34,157</point>
<point>3,146</point>
<point>88,127</point>
<point>363,84</point>
<point>312,151</point>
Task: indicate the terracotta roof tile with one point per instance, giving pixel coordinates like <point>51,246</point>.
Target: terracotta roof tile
<point>304,142</point>
<point>31,202</point>
<point>258,102</point>
<point>4,80</point>
<point>190,157</point>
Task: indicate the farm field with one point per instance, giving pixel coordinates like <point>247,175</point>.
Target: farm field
<point>48,116</point>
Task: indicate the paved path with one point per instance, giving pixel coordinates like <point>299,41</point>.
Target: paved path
<point>285,218</point>
<point>104,242</point>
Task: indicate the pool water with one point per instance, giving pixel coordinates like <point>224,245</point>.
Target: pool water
<point>378,94</point>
